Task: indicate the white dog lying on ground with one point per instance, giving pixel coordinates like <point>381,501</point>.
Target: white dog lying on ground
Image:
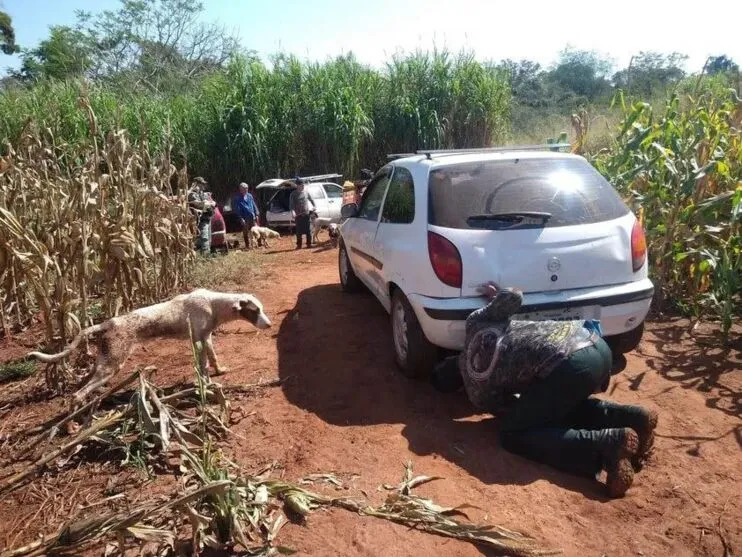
<point>204,309</point>
<point>261,234</point>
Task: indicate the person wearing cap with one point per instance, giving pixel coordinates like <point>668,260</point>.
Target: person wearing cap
<point>202,207</point>
<point>244,207</point>
<point>301,205</point>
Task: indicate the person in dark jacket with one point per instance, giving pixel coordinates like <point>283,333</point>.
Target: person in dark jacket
<point>202,207</point>
<point>302,205</point>
<point>541,376</point>
<point>244,207</point>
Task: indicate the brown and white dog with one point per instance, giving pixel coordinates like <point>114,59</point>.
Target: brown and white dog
<point>204,310</point>
<point>261,234</point>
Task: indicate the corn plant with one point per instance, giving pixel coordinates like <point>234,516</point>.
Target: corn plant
<point>94,228</point>
<point>682,169</point>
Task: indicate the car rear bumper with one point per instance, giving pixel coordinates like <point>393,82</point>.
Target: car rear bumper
<point>620,308</point>
<point>276,222</point>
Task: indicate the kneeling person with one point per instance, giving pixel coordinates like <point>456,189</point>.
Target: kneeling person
<point>541,375</point>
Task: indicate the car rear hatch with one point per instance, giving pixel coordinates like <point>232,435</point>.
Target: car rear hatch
<point>279,202</point>
<point>536,223</point>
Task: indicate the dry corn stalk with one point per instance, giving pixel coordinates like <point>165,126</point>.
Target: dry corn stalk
<point>88,230</point>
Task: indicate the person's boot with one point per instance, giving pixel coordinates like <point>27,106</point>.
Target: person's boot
<point>617,447</point>
<point>642,420</point>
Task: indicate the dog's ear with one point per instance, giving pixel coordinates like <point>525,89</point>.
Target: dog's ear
<point>248,302</point>
<point>240,304</point>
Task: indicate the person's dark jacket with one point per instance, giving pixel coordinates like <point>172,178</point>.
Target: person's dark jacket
<point>502,355</point>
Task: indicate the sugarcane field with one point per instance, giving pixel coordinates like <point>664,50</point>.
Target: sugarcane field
<point>337,298</point>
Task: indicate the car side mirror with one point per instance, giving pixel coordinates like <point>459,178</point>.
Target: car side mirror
<point>349,210</point>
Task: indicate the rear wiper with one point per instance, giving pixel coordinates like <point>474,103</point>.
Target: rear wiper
<point>516,216</point>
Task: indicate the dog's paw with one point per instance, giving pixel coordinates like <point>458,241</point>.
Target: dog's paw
<point>220,371</point>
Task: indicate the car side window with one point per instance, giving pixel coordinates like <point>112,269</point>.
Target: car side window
<point>372,198</point>
<point>333,191</point>
<point>399,206</point>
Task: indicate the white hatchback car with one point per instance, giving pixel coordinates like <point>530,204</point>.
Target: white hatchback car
<point>432,228</point>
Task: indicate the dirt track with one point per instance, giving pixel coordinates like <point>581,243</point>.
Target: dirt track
<point>343,407</point>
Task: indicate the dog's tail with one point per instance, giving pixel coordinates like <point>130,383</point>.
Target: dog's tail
<point>50,358</point>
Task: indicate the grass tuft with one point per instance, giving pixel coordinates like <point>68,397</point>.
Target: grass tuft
<point>17,369</point>
<point>237,267</point>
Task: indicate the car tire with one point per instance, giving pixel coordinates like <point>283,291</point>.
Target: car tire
<point>348,280</point>
<point>415,355</point>
<point>625,342</point>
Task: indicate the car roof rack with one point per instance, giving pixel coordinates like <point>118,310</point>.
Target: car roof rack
<point>318,177</point>
<point>429,152</point>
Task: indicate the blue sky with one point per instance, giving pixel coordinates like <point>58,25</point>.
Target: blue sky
<point>494,29</point>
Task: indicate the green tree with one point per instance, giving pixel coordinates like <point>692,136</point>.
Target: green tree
<point>65,54</point>
<point>721,64</point>
<point>651,73</point>
<point>526,82</point>
<point>7,34</point>
<point>581,74</point>
<point>157,44</point>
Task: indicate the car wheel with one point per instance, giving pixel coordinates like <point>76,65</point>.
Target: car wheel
<point>348,279</point>
<point>415,354</point>
<point>625,342</point>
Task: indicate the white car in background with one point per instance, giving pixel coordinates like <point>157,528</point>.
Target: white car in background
<point>432,227</point>
<point>273,195</point>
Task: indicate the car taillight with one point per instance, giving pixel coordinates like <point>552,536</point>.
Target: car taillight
<point>638,246</point>
<point>445,259</point>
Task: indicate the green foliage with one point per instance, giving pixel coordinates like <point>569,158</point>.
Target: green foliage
<point>145,45</point>
<point>721,64</point>
<point>250,121</point>
<point>16,369</point>
<point>650,74</point>
<point>683,168</point>
<point>67,53</point>
<point>7,35</point>
<point>581,73</point>
<point>526,82</point>
<point>715,85</point>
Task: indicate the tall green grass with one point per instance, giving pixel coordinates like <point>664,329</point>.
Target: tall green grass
<point>252,121</point>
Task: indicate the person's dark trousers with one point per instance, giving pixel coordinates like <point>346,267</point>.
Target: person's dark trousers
<point>302,228</point>
<point>203,240</point>
<point>555,421</point>
<point>247,225</point>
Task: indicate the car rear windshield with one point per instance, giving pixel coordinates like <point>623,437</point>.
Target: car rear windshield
<point>521,193</point>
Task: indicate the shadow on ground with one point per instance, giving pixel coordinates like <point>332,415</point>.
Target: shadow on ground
<point>335,356</point>
<point>699,362</point>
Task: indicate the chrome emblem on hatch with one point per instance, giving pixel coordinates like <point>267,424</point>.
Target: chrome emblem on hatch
<point>554,264</point>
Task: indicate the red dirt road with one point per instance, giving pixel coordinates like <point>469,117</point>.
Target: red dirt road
<point>343,407</point>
